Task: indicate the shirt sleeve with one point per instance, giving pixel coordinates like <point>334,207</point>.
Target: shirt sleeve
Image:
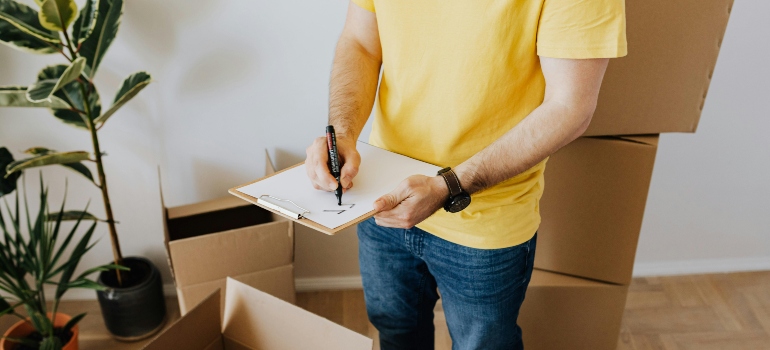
<point>365,4</point>
<point>581,29</point>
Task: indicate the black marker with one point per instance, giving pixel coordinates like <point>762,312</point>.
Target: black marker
<point>334,160</point>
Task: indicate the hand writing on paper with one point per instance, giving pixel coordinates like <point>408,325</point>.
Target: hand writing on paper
<point>413,200</point>
<point>317,161</point>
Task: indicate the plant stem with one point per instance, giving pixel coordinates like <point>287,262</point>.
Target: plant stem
<point>116,253</point>
<point>69,45</point>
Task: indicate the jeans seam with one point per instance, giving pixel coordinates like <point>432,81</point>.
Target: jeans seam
<point>419,244</point>
<point>407,241</point>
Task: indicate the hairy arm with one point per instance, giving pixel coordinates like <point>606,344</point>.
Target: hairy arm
<point>352,89</point>
<point>355,73</point>
<point>572,88</point>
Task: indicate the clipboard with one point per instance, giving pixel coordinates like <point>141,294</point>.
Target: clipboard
<point>289,193</point>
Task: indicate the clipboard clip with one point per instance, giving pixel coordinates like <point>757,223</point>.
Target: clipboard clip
<point>288,212</point>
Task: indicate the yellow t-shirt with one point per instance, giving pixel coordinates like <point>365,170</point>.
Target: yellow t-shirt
<point>457,75</point>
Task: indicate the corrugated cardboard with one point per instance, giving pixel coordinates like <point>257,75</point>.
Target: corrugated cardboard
<point>209,241</point>
<point>592,208</point>
<point>563,312</point>
<point>661,85</point>
<point>278,282</point>
<point>255,320</point>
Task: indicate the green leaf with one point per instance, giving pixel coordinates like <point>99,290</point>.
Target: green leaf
<point>86,284</point>
<point>40,323</point>
<point>72,263</point>
<point>71,93</point>
<point>52,342</point>
<point>86,22</point>
<point>7,183</point>
<point>16,96</point>
<point>80,168</point>
<point>105,30</point>
<point>11,308</point>
<point>47,159</point>
<point>21,29</point>
<point>57,14</point>
<point>72,215</point>
<point>64,245</point>
<point>72,322</point>
<point>43,89</point>
<point>131,86</point>
<point>102,268</point>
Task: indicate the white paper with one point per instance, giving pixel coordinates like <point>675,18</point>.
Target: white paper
<point>380,172</point>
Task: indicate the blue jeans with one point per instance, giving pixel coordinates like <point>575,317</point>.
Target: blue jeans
<point>482,288</point>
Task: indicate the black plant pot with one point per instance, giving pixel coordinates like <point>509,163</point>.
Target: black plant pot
<point>137,309</point>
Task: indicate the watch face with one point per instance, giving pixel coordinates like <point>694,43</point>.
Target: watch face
<point>458,203</point>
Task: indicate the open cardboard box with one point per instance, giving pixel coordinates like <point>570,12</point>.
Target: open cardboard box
<point>207,242</point>
<point>254,320</point>
<point>593,205</point>
<point>661,85</point>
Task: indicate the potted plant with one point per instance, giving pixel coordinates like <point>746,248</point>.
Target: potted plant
<point>132,303</point>
<point>35,259</point>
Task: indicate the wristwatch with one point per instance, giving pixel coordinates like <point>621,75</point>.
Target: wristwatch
<point>458,198</point>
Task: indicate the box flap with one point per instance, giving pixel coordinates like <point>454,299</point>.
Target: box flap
<point>198,329</point>
<point>261,321</point>
<point>230,253</point>
<point>661,85</point>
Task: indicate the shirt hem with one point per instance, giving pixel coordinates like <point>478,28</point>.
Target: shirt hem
<point>481,243</point>
<point>582,52</point>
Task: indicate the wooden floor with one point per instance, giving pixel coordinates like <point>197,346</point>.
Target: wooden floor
<point>721,311</point>
<point>703,312</point>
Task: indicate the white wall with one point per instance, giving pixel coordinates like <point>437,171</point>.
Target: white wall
<point>235,77</point>
<point>709,204</point>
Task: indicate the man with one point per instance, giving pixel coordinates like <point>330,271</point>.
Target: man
<point>489,89</point>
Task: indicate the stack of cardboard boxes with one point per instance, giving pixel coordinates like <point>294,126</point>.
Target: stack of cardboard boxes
<point>592,209</point>
<point>596,187</point>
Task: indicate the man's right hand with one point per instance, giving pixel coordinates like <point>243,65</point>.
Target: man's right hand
<point>317,164</point>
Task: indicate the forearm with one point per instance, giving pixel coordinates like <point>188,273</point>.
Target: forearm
<point>548,128</point>
<point>352,88</point>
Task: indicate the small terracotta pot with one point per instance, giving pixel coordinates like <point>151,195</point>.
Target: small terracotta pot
<point>23,328</point>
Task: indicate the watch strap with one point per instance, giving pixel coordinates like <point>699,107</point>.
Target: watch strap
<point>451,181</point>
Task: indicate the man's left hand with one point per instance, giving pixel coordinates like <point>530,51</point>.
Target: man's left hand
<point>414,200</point>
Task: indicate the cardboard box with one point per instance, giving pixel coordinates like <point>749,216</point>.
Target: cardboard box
<point>593,205</point>
<point>209,241</point>
<point>661,85</point>
<point>254,320</point>
<point>563,312</point>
